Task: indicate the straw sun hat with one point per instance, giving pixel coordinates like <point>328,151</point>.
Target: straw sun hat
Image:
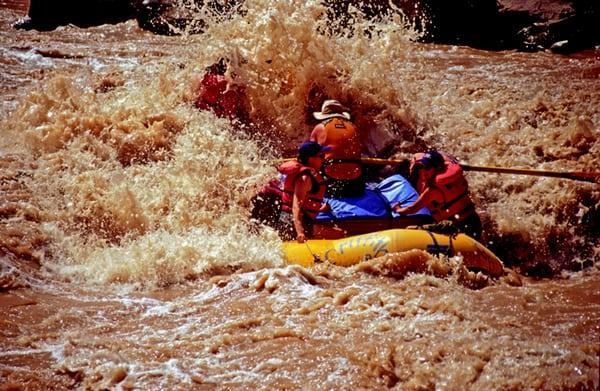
<point>332,108</point>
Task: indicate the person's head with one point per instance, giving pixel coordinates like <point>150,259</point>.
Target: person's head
<point>332,108</point>
<point>431,159</point>
<point>311,153</point>
<point>428,165</point>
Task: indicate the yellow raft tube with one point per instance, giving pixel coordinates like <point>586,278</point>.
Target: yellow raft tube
<point>351,250</point>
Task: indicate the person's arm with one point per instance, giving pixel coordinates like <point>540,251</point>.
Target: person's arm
<point>318,134</point>
<point>301,189</point>
<point>420,203</point>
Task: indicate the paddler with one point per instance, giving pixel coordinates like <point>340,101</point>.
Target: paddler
<point>443,189</point>
<point>218,93</point>
<point>303,191</point>
<point>342,167</point>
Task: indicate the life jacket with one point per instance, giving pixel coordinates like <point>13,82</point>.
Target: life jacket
<point>312,204</point>
<point>216,97</point>
<point>450,198</point>
<point>417,181</point>
<point>343,160</point>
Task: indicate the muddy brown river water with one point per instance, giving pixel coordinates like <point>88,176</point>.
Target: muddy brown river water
<point>128,261</point>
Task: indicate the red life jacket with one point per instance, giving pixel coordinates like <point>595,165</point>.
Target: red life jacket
<point>343,161</point>
<point>312,204</point>
<point>450,198</point>
<point>216,97</point>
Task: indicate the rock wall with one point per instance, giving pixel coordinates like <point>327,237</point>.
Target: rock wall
<point>528,25</point>
<point>560,25</point>
<point>49,14</point>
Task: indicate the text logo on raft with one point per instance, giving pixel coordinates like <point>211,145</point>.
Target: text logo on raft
<point>363,247</point>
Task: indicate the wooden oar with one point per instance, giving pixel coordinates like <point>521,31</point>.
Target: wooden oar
<point>593,177</point>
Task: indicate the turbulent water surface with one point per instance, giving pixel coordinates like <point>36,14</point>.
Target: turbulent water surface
<point>127,257</point>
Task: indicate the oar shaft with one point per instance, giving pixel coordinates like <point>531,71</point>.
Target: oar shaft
<point>380,162</point>
<point>593,177</point>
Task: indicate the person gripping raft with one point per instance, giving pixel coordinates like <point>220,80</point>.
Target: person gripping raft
<point>443,189</point>
<point>303,192</point>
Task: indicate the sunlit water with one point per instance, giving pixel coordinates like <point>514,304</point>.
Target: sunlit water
<point>127,256</point>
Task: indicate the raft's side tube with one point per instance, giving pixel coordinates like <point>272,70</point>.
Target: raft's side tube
<point>351,250</point>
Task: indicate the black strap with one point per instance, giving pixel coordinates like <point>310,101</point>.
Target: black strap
<point>316,258</point>
<point>436,248</point>
<point>448,204</point>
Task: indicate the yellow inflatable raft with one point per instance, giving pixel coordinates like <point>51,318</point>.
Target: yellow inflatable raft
<point>351,250</point>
